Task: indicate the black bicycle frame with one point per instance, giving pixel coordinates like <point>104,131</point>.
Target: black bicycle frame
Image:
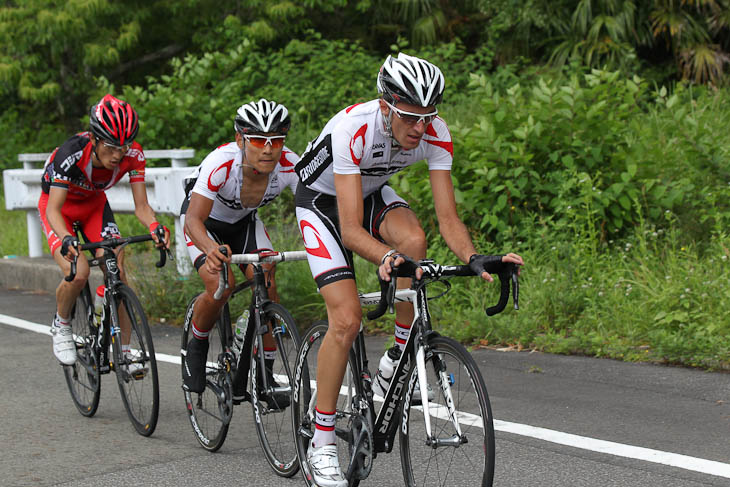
<point>385,425</point>
<point>260,296</point>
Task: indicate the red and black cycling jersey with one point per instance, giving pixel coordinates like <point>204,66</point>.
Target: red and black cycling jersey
<point>69,167</point>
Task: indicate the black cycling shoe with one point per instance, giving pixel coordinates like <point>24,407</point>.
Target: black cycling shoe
<point>194,365</point>
<point>277,400</point>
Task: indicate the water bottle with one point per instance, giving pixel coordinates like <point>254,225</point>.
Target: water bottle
<point>99,305</point>
<point>240,331</point>
<point>385,370</point>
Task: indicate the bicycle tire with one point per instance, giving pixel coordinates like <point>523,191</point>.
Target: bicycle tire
<point>304,400</point>
<point>83,378</point>
<point>471,463</point>
<point>140,390</point>
<point>273,426</point>
<point>210,416</point>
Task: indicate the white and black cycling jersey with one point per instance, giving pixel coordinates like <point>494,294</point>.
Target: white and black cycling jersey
<point>355,142</point>
<point>219,178</point>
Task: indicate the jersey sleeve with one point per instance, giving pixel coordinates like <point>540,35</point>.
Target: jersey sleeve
<point>440,148</point>
<point>214,172</point>
<point>287,174</point>
<point>137,163</point>
<point>348,147</point>
<point>62,168</point>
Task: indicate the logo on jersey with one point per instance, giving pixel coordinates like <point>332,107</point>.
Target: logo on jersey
<point>320,250</point>
<point>380,145</point>
<point>67,163</point>
<point>219,176</point>
<point>315,161</point>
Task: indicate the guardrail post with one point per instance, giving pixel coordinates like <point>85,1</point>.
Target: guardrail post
<point>35,242</point>
<point>181,252</point>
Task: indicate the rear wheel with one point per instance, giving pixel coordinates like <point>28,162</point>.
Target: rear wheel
<point>82,377</point>
<point>273,421</point>
<point>210,411</point>
<point>461,422</point>
<point>137,369</point>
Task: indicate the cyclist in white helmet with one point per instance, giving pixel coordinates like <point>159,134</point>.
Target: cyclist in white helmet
<point>223,194</point>
<point>345,205</point>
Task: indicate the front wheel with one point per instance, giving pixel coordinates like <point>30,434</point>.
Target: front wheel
<point>461,448</point>
<point>82,377</point>
<point>273,423</point>
<point>210,412</point>
<point>136,369</point>
<point>304,401</point>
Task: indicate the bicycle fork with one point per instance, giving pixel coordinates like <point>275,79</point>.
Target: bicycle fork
<point>444,383</point>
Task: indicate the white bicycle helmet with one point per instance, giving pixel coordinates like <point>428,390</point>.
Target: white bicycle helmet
<point>411,80</point>
<point>262,117</point>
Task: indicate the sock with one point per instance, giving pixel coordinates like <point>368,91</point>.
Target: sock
<point>126,348</point>
<point>324,429</point>
<point>198,333</point>
<point>58,321</point>
<point>269,353</point>
<point>401,334</point>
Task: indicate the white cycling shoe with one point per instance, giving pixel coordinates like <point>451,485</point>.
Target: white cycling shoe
<point>133,368</point>
<point>64,347</point>
<point>325,466</point>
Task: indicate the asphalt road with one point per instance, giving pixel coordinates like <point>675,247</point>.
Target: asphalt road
<point>550,411</point>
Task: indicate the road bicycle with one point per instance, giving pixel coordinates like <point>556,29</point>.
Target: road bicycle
<point>227,368</point>
<point>99,344</point>
<point>447,439</point>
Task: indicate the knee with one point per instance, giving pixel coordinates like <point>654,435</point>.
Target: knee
<point>344,329</point>
<point>82,276</point>
<point>414,245</point>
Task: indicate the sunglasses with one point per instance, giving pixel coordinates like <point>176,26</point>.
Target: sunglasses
<point>411,118</point>
<point>260,141</point>
<point>116,148</point>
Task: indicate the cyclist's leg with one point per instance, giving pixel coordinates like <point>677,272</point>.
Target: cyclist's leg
<point>206,311</point>
<point>331,266</point>
<point>67,292</point>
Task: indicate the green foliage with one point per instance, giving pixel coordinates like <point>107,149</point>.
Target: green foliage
<point>196,104</point>
<point>566,152</point>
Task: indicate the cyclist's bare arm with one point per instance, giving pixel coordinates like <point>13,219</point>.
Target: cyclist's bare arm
<point>451,227</point>
<point>350,208</point>
<point>195,216</point>
<point>354,236</point>
<point>56,199</point>
<point>143,211</point>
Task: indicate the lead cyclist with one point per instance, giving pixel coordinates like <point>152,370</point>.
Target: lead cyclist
<point>344,204</point>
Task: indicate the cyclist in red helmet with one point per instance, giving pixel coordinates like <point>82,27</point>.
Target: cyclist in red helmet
<point>74,180</point>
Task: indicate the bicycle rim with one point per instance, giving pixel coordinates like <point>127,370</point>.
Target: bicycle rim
<point>140,389</point>
<point>210,411</point>
<point>82,377</point>
<point>273,422</point>
<point>304,401</point>
<point>472,462</point>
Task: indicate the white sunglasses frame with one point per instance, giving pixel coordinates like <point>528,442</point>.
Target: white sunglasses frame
<point>118,148</point>
<point>420,117</point>
<point>268,138</point>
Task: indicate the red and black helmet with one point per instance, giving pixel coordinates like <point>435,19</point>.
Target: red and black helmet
<point>114,121</point>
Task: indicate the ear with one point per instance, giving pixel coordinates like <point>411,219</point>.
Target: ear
<point>384,107</point>
<point>239,140</point>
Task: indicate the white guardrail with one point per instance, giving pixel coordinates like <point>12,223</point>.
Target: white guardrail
<point>164,192</point>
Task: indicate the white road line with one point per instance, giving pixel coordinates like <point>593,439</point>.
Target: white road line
<point>685,462</point>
